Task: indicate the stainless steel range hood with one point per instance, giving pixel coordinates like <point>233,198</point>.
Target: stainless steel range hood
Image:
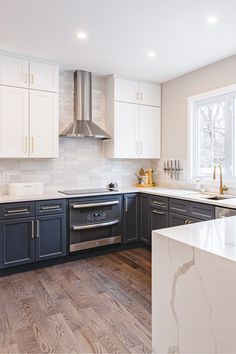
<point>83,126</point>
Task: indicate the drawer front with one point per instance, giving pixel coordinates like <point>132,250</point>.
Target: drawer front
<point>202,211</point>
<point>178,219</point>
<point>180,206</point>
<point>159,202</point>
<point>46,207</point>
<point>16,210</point>
<point>92,211</point>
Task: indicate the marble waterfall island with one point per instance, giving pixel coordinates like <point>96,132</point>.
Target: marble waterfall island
<point>194,288</point>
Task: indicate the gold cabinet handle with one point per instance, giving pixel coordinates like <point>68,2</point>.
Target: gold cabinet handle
<point>141,147</point>
<point>141,96</point>
<point>137,96</point>
<point>32,144</point>
<point>32,79</point>
<point>25,145</point>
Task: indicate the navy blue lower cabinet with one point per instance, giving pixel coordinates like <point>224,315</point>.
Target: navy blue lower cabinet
<point>51,237</point>
<point>17,242</point>
<point>130,218</point>
<point>145,229</point>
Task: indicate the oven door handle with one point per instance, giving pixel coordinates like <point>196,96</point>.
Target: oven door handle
<point>94,205</point>
<point>94,226</point>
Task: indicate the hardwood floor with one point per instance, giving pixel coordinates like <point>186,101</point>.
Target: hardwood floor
<point>94,305</point>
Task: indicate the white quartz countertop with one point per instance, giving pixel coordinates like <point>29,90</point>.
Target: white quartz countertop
<point>185,194</point>
<point>215,236</point>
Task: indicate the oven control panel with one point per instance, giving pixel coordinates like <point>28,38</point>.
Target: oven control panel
<point>97,216</point>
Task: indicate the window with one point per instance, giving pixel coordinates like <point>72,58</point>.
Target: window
<point>213,133</point>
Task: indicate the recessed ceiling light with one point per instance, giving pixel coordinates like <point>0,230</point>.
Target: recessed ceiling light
<point>82,35</point>
<point>151,54</point>
<point>211,20</point>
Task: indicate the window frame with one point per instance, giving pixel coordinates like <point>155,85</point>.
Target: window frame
<point>191,137</point>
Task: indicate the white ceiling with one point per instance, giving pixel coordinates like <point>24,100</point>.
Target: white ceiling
<point>120,33</point>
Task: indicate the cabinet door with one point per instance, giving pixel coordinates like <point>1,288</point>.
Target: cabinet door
<point>126,90</point>
<point>44,77</point>
<point>150,94</point>
<point>17,243</point>
<point>149,131</point>
<point>14,120</point>
<point>126,130</point>
<point>44,124</point>
<point>131,219</point>
<point>50,236</point>
<point>159,219</point>
<point>13,71</point>
<point>145,230</point>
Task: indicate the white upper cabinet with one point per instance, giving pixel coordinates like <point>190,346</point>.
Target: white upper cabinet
<point>134,91</point>
<point>14,71</point>
<point>43,76</point>
<point>14,122</point>
<point>133,119</point>
<point>150,94</point>
<point>43,135</point>
<point>29,108</point>
<point>126,130</point>
<point>149,131</point>
<point>25,73</point>
<point>126,90</point>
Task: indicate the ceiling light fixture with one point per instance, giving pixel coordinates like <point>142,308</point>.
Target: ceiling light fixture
<point>151,54</point>
<point>82,35</point>
<point>211,20</point>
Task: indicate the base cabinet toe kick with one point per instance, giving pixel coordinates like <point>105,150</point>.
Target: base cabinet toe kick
<point>94,222</point>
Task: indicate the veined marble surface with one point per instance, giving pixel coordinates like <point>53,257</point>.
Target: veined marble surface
<point>215,236</point>
<point>194,288</point>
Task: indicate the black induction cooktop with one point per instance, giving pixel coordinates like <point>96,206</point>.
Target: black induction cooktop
<point>85,191</point>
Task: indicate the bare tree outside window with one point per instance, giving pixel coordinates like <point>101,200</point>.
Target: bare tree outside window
<point>213,133</point>
<point>211,124</point>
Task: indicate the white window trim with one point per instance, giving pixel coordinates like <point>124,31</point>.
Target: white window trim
<point>207,181</point>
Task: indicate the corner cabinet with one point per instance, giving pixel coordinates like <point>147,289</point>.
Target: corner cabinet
<point>145,229</point>
<point>29,108</point>
<point>131,218</point>
<point>133,119</point>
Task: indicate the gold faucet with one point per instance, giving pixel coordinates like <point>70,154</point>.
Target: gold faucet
<point>222,187</point>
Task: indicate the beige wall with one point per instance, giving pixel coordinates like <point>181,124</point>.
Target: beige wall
<point>174,102</point>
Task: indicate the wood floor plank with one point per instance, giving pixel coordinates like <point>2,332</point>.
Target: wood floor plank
<point>100,304</point>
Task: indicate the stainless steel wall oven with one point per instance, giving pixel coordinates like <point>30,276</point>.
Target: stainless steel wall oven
<point>94,222</point>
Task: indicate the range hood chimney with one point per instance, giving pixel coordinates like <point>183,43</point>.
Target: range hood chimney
<point>83,126</point>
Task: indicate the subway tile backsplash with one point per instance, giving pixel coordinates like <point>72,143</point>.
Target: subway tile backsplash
<point>81,162</point>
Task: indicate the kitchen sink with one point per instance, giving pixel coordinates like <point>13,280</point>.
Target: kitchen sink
<point>218,197</point>
<point>214,197</point>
